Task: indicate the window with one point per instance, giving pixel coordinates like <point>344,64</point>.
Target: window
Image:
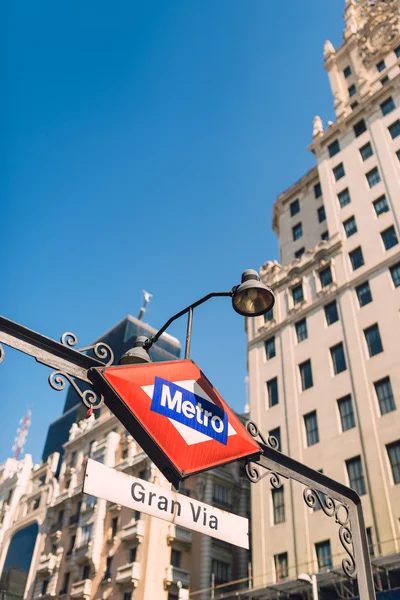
<point>281,566</point>
<point>373,339</point>
<point>128,596</point>
<point>384,80</point>
<point>297,294</point>
<point>325,276</point>
<point>107,572</point>
<point>71,545</point>
<point>395,273</point>
<point>370,541</point>
<point>297,231</point>
<point>132,554</point>
<point>276,433</point>
<point>346,413</point>
<point>311,426</point>
<point>222,496</point>
<point>301,330</point>
<point>393,451</point>
<point>364,295</point>
<point>325,236</point>
<point>321,214</point>
<point>397,51</point>
<point>143,474</point>
<point>384,393</point>
<point>45,584</point>
<point>380,205</point>
<point>176,558</point>
<point>356,475</point>
<point>269,315</point>
<point>278,504</point>
<point>324,554</point>
<point>338,172</point>
<point>350,226</point>
<point>356,258</point>
<point>373,177</point>
<point>338,358</point>
<point>64,589</point>
<point>86,535</point>
<point>272,389</point>
<point>270,348</point>
<point>306,375</point>
<point>137,514</point>
<point>381,66</point>
<point>366,151</point>
<point>331,313</point>
<point>394,129</point>
<point>35,503</point>
<point>389,238</point>
<point>344,198</point>
<point>359,128</point>
<point>299,253</point>
<point>114,526</point>
<point>387,106</point>
<point>221,571</point>
<point>60,519</point>
<point>86,572</point>
<point>317,190</point>
<point>354,105</point>
<point>352,90</point>
<point>294,207</point>
<point>334,148</point>
<point>347,71</point>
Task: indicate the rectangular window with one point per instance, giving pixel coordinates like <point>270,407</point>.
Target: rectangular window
<point>397,51</point>
<point>381,66</point>
<point>294,207</point>
<point>306,375</point>
<point>114,526</point>
<point>331,313</point>
<point>380,205</point>
<point>278,504</point>
<point>71,545</point>
<point>281,566</point>
<point>317,190</point>
<point>86,534</point>
<point>373,339</point>
<point>395,273</point>
<point>276,433</point>
<point>334,148</point>
<point>324,554</point>
<point>269,315</point>
<point>222,496</point>
<point>325,236</point>
<point>359,128</point>
<point>389,238</point>
<point>350,226</point>
<point>321,214</point>
<point>384,80</point>
<point>270,348</point>
<point>387,106</point>
<point>86,572</point>
<point>132,554</point>
<point>338,172</point>
<point>384,393</point>
<point>107,572</point>
<point>347,71</point>
<point>221,571</point>
<point>393,451</point>
<point>297,231</point>
<point>354,105</point>
<point>299,253</point>
<point>311,426</point>
<point>64,589</point>
<point>352,90</point>
<point>176,558</point>
<point>373,177</point>
<point>394,129</point>
<point>272,389</point>
<point>370,541</point>
<point>297,294</point>
<point>356,258</point>
<point>366,151</point>
<point>344,197</point>
<point>301,330</point>
<point>45,584</point>
<point>325,276</point>
<point>345,406</point>
<point>338,358</point>
<point>356,475</point>
<point>364,295</point>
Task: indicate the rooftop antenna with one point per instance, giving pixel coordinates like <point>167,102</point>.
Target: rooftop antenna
<point>22,434</point>
<point>146,300</point>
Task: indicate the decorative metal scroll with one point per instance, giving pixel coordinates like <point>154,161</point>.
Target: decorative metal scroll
<point>252,471</point>
<point>101,350</point>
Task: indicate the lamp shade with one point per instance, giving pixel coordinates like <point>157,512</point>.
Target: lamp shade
<point>137,354</point>
<point>252,298</point>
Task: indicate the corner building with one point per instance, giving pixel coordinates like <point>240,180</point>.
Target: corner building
<point>324,363</point>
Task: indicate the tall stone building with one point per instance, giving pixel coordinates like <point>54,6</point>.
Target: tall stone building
<point>324,364</point>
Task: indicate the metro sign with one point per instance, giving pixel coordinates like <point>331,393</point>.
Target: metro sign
<point>176,415</point>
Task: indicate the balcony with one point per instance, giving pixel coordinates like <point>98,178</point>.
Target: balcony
<point>56,528</point>
<point>81,589</point>
<point>83,552</point>
<point>47,562</point>
<point>74,519</point>
<point>175,575</point>
<point>133,531</point>
<point>61,497</point>
<point>129,573</point>
<point>177,533</point>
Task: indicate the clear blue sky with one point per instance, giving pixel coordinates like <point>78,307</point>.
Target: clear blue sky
<point>143,145</point>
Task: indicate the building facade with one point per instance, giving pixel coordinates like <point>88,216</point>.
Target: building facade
<point>324,372</point>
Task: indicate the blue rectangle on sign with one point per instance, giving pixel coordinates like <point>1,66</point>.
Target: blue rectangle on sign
<point>183,406</point>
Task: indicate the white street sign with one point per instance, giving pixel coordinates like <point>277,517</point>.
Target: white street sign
<point>107,483</point>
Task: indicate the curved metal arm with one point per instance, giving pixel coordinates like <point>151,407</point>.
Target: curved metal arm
<point>189,308</point>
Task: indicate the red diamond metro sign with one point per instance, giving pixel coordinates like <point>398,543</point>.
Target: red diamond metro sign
<point>176,415</point>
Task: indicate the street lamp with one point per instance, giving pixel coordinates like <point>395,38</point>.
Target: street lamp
<point>251,298</point>
<point>312,580</point>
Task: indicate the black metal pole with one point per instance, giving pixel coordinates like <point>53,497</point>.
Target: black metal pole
<point>189,333</point>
